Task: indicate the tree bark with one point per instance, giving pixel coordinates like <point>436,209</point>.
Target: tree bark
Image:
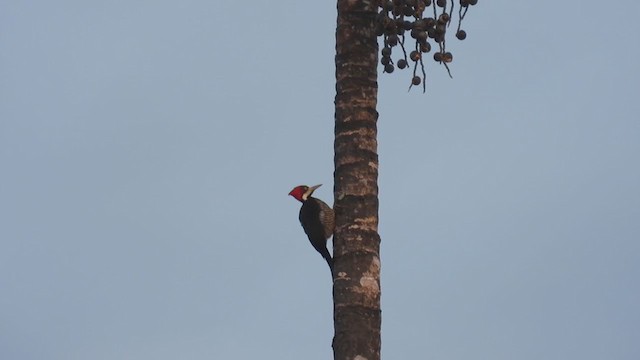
<point>356,288</point>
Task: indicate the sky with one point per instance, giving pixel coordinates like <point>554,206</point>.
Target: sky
<point>147,149</point>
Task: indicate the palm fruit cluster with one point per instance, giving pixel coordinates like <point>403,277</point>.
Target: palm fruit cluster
<point>427,23</point>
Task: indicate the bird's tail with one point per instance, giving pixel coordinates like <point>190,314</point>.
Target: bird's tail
<point>325,254</point>
<point>330,262</point>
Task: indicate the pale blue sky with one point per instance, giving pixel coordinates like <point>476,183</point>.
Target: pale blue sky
<point>147,149</point>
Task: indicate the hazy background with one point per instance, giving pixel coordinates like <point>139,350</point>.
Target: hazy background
<point>147,149</point>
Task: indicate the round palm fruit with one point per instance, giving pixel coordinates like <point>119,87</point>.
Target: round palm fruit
<point>392,40</point>
<point>429,22</point>
<point>388,68</point>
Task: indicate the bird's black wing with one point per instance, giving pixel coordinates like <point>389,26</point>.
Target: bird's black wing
<point>310,218</point>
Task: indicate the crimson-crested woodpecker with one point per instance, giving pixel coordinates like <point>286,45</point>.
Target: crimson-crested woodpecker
<point>317,219</point>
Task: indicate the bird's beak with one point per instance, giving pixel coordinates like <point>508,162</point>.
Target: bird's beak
<point>313,188</point>
<point>310,191</point>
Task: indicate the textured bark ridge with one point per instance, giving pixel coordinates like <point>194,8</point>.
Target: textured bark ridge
<point>356,289</point>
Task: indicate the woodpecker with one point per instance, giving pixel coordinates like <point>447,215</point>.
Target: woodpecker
<point>317,219</point>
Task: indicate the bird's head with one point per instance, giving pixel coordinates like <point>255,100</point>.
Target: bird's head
<point>302,192</point>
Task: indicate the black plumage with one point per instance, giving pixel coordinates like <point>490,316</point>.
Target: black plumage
<point>317,220</point>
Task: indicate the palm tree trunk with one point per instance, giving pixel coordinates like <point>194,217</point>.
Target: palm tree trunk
<point>356,289</point>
